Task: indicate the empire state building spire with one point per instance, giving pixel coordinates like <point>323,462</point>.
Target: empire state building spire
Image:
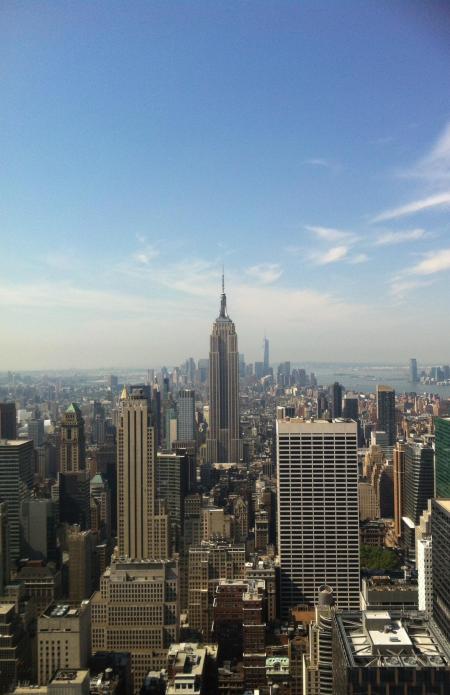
<point>224,444</point>
<point>223,299</point>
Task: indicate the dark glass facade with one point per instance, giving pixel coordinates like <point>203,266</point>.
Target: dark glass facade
<point>442,445</point>
<point>440,530</point>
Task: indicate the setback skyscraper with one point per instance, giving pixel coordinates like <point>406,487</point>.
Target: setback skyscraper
<point>142,525</point>
<point>224,444</point>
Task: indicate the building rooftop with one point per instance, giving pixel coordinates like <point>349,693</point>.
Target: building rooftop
<point>444,503</point>
<point>70,676</point>
<point>64,610</point>
<point>379,639</point>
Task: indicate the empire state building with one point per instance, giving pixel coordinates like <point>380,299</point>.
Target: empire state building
<point>224,444</point>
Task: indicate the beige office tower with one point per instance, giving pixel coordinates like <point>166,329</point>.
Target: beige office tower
<point>224,444</point>
<point>142,521</point>
<point>208,564</point>
<point>72,452</point>
<point>63,639</point>
<point>137,611</point>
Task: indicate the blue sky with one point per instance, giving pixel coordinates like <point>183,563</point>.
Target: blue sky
<point>304,144</point>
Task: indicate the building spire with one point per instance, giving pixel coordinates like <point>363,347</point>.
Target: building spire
<point>223,298</point>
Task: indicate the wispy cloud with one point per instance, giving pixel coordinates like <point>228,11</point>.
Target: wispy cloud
<point>331,234</point>
<point>401,288</point>
<point>333,255</point>
<point>434,167</point>
<point>266,273</point>
<point>433,201</point>
<point>323,163</point>
<point>433,262</point>
<point>391,238</point>
<point>147,253</point>
<point>358,258</point>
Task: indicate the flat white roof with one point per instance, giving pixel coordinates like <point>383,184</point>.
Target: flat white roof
<point>300,426</point>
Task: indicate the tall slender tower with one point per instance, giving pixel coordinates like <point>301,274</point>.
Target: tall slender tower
<point>266,355</point>
<point>224,444</point>
<point>142,525</point>
<point>72,449</point>
<point>386,412</point>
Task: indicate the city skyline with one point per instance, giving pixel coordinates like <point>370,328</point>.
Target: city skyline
<point>142,150</point>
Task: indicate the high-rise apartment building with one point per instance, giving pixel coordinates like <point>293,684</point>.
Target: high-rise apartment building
<point>8,423</point>
<point>440,533</point>
<point>318,524</point>
<point>137,611</point>
<point>16,482</point>
<point>186,415</point>
<point>142,521</point>
<point>386,412</point>
<point>398,468</point>
<point>224,444</point>
<point>72,452</point>
<point>424,564</point>
<point>442,453</point>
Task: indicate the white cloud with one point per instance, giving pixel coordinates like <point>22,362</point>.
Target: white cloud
<point>391,238</point>
<point>146,255</point>
<point>358,258</point>
<point>336,253</point>
<point>434,262</point>
<point>330,233</point>
<point>400,288</point>
<point>266,273</point>
<point>434,167</point>
<point>432,201</point>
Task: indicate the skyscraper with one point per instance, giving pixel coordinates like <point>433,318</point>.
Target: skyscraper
<point>413,376</point>
<point>72,456</point>
<point>336,392</point>
<point>442,449</point>
<point>418,489</point>
<point>266,355</point>
<point>186,415</point>
<point>142,524</point>
<point>8,427</point>
<point>318,525</point>
<point>440,533</point>
<point>386,412</point>
<point>224,444</point>
<point>16,482</point>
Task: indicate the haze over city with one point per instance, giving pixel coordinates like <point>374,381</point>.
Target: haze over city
<point>144,148</point>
